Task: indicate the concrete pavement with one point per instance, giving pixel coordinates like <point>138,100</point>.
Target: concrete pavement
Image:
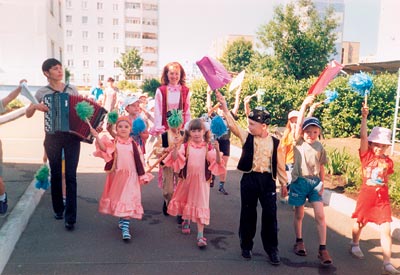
<point>23,201</point>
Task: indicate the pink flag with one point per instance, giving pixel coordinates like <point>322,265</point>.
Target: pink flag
<point>214,72</point>
<point>326,76</point>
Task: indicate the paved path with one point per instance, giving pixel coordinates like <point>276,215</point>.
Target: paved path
<point>157,247</point>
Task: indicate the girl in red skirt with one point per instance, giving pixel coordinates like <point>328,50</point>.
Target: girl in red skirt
<point>373,203</point>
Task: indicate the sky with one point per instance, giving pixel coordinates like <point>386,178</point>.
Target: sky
<point>188,27</point>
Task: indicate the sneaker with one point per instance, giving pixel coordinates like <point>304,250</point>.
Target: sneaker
<point>246,254</point>
<point>179,219</point>
<point>202,242</point>
<point>389,269</point>
<point>165,209</point>
<point>3,205</point>
<point>58,216</point>
<point>355,251</point>
<point>126,236</point>
<point>222,190</point>
<point>325,259</point>
<point>274,258</point>
<point>69,226</point>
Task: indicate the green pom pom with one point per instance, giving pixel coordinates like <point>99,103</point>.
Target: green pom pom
<point>42,174</point>
<point>84,110</point>
<point>175,119</point>
<point>112,117</point>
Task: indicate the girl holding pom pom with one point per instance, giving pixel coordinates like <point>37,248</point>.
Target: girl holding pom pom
<point>125,167</point>
<point>195,159</point>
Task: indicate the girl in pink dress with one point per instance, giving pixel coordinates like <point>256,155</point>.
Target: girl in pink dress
<point>125,167</point>
<point>195,159</point>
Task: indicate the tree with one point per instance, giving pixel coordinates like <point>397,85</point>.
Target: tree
<point>131,63</point>
<point>302,39</point>
<point>237,55</point>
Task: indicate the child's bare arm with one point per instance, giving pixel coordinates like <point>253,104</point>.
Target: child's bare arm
<point>363,130</point>
<point>307,101</point>
<point>95,134</point>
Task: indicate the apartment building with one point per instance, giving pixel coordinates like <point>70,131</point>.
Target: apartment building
<point>30,32</point>
<point>97,32</point>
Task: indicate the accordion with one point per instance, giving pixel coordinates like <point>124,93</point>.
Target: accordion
<point>62,116</point>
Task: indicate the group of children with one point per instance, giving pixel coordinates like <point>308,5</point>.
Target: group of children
<point>188,159</point>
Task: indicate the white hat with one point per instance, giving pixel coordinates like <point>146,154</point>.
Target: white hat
<point>380,135</point>
<point>293,113</point>
<point>130,100</point>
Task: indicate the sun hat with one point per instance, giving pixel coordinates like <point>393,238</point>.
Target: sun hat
<point>259,114</point>
<point>311,121</point>
<point>380,135</point>
<point>130,100</point>
<point>293,113</point>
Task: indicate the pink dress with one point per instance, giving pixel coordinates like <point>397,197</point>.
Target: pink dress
<point>122,191</point>
<point>191,198</point>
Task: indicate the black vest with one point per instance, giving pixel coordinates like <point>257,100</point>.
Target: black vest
<point>245,163</point>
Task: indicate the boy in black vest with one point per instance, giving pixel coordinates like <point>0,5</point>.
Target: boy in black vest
<point>261,168</point>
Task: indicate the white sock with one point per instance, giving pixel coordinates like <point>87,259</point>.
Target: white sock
<point>3,197</point>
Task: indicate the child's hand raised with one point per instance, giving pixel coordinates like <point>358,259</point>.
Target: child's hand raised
<point>215,143</point>
<point>222,101</point>
<point>364,111</point>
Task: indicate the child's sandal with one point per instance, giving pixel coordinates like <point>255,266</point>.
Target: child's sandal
<point>201,242</point>
<point>300,249</point>
<point>324,257</point>
<point>185,228</point>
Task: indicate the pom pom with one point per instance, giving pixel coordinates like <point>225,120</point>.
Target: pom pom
<point>175,119</point>
<point>112,117</point>
<point>361,83</point>
<point>42,177</point>
<point>84,110</point>
<point>138,126</point>
<point>330,96</point>
<point>218,127</point>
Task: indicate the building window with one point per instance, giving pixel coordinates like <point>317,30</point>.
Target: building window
<point>70,48</point>
<point>68,3</point>
<point>148,49</point>
<point>100,35</point>
<point>132,34</point>
<point>101,63</point>
<point>149,21</point>
<point>132,20</point>
<point>60,52</point>
<point>100,49</point>
<point>72,77</point>
<point>115,7</point>
<point>115,35</point>
<point>85,63</point>
<point>85,34</point>
<point>116,50</point>
<point>115,21</point>
<point>86,78</point>
<point>84,19</point>
<point>68,18</point>
<point>85,49</point>
<point>70,62</point>
<point>101,77</point>
<point>84,5</point>
<point>100,20</point>
<point>132,5</point>
<point>149,35</point>
<point>68,33</point>
<point>99,5</point>
<point>150,7</point>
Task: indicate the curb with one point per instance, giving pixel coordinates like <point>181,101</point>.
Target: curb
<point>17,221</point>
<point>341,203</point>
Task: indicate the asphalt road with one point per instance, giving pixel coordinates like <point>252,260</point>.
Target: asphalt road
<point>158,247</point>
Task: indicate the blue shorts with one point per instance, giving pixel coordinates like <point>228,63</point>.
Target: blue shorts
<point>302,189</point>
